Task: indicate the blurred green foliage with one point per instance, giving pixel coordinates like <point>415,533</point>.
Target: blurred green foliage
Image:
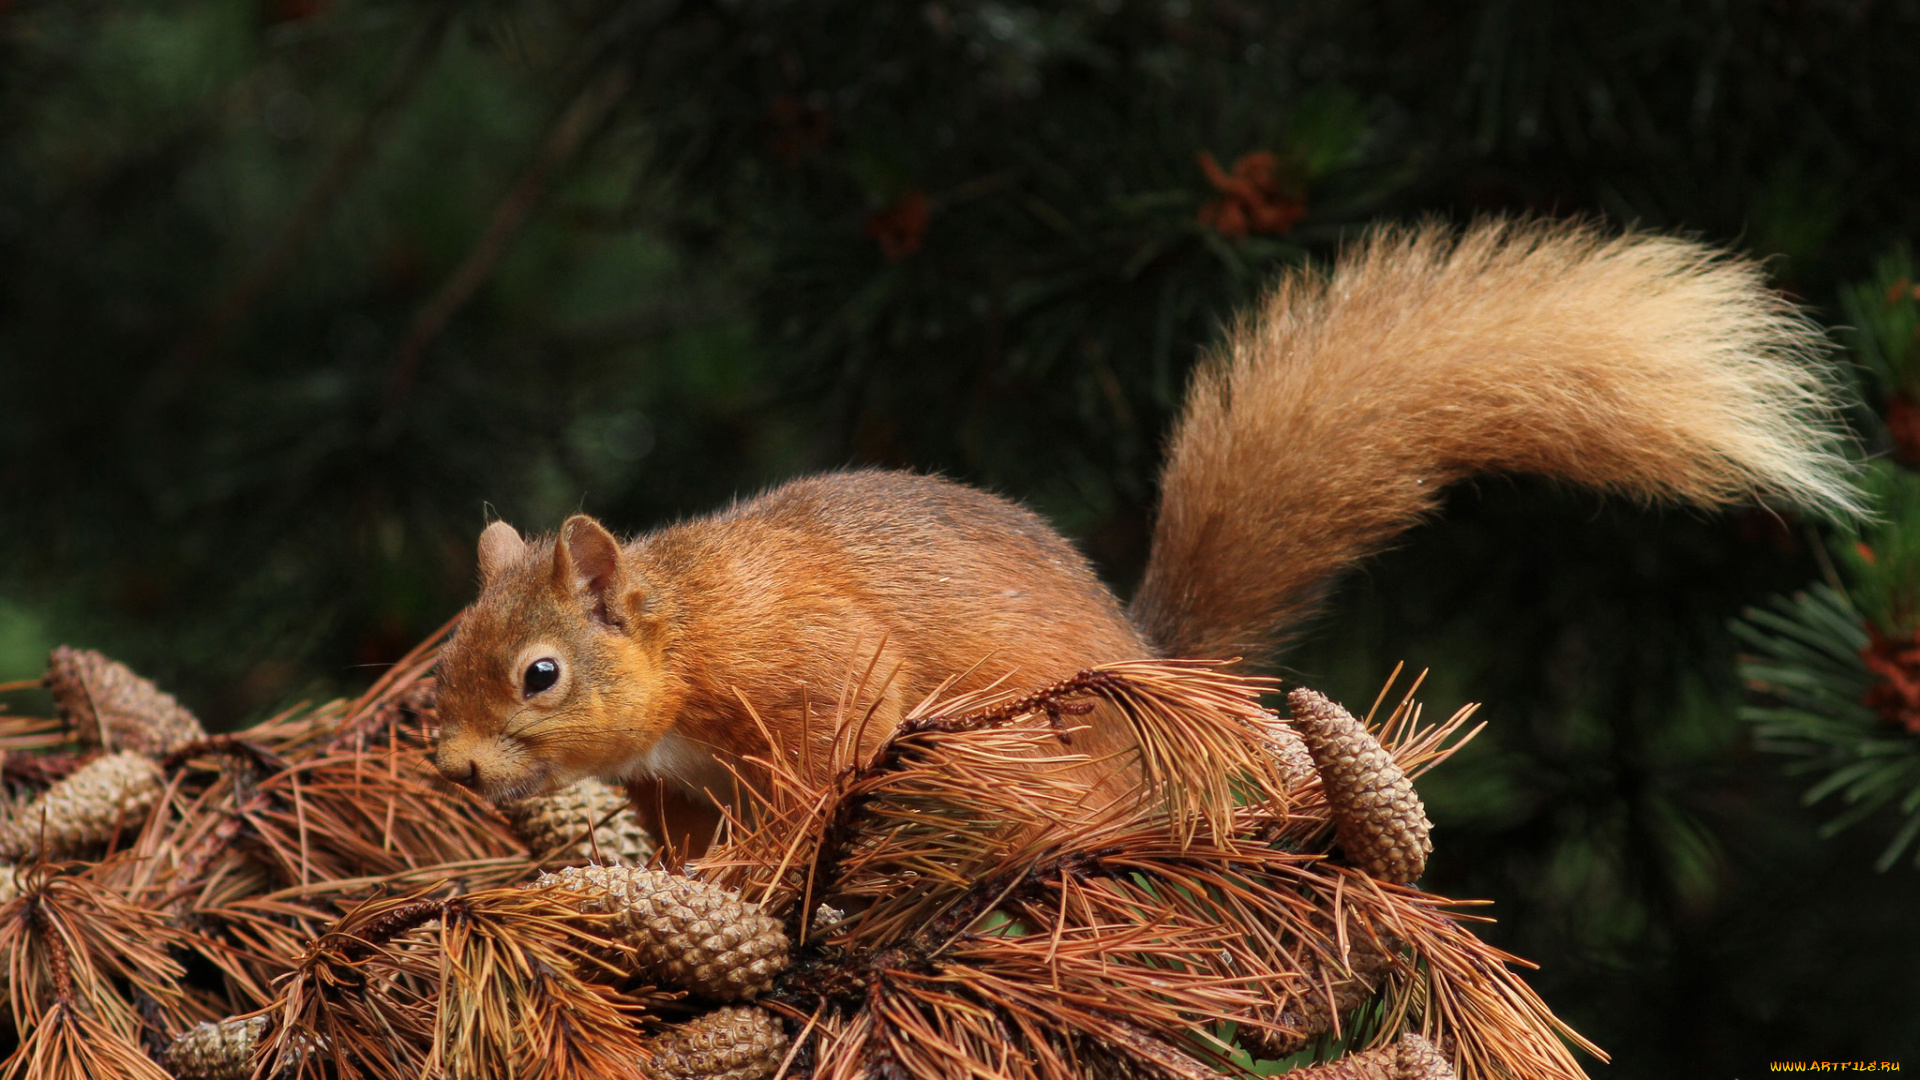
<point>1883,320</point>
<point>1881,559</point>
<point>1835,667</point>
<point>295,293</point>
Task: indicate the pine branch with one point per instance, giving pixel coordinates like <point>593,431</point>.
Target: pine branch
<point>1808,658</point>
<point>71,946</point>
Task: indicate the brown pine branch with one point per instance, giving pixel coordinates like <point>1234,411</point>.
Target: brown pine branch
<point>1127,924</point>
<point>359,995</point>
<point>987,927</point>
<point>252,756</point>
<point>499,982</point>
<point>953,791</point>
<point>77,957</point>
<point>68,1043</point>
<point>527,991</point>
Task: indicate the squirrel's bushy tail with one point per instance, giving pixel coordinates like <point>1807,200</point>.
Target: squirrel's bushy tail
<point>1338,411</point>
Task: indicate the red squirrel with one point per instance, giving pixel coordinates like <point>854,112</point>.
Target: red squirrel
<point>1330,421</point>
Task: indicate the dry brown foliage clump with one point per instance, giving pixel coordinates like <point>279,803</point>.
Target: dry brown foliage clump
<point>306,899</point>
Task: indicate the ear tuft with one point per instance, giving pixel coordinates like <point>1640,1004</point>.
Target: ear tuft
<point>587,560</point>
<point>500,547</point>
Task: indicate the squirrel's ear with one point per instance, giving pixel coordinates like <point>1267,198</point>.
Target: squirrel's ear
<point>587,560</point>
<point>499,547</point>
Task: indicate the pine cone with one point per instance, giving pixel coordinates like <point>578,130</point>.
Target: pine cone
<point>1380,1063</point>
<point>114,792</point>
<point>9,883</point>
<point>826,918</point>
<point>588,822</point>
<point>1305,1013</point>
<point>108,704</point>
<point>1378,817</point>
<point>1412,1058</point>
<point>1421,1060</point>
<point>1289,751</point>
<point>742,1042</point>
<point>219,1051</point>
<point>689,934</point>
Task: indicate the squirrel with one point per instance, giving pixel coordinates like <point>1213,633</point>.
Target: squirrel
<point>1330,421</point>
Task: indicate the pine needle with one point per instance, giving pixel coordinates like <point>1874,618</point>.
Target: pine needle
<point>71,948</point>
<point>990,920</point>
<point>515,999</point>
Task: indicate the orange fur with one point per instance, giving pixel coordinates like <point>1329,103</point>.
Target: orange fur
<point>1641,365</point>
<point>774,602</point>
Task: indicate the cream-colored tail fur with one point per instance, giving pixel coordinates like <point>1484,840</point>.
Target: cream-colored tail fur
<point>1643,365</point>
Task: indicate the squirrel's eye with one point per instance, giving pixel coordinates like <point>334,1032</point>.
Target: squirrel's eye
<point>540,675</point>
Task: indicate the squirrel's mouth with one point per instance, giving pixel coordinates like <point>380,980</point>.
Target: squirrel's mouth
<point>496,776</point>
<point>524,784</point>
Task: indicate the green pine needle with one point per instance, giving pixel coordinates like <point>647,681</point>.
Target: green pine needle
<point>1806,658</point>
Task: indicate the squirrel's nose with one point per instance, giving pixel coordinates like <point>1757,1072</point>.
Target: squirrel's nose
<point>468,778</point>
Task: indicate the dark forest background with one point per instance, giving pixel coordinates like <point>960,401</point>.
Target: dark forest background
<point>294,294</point>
